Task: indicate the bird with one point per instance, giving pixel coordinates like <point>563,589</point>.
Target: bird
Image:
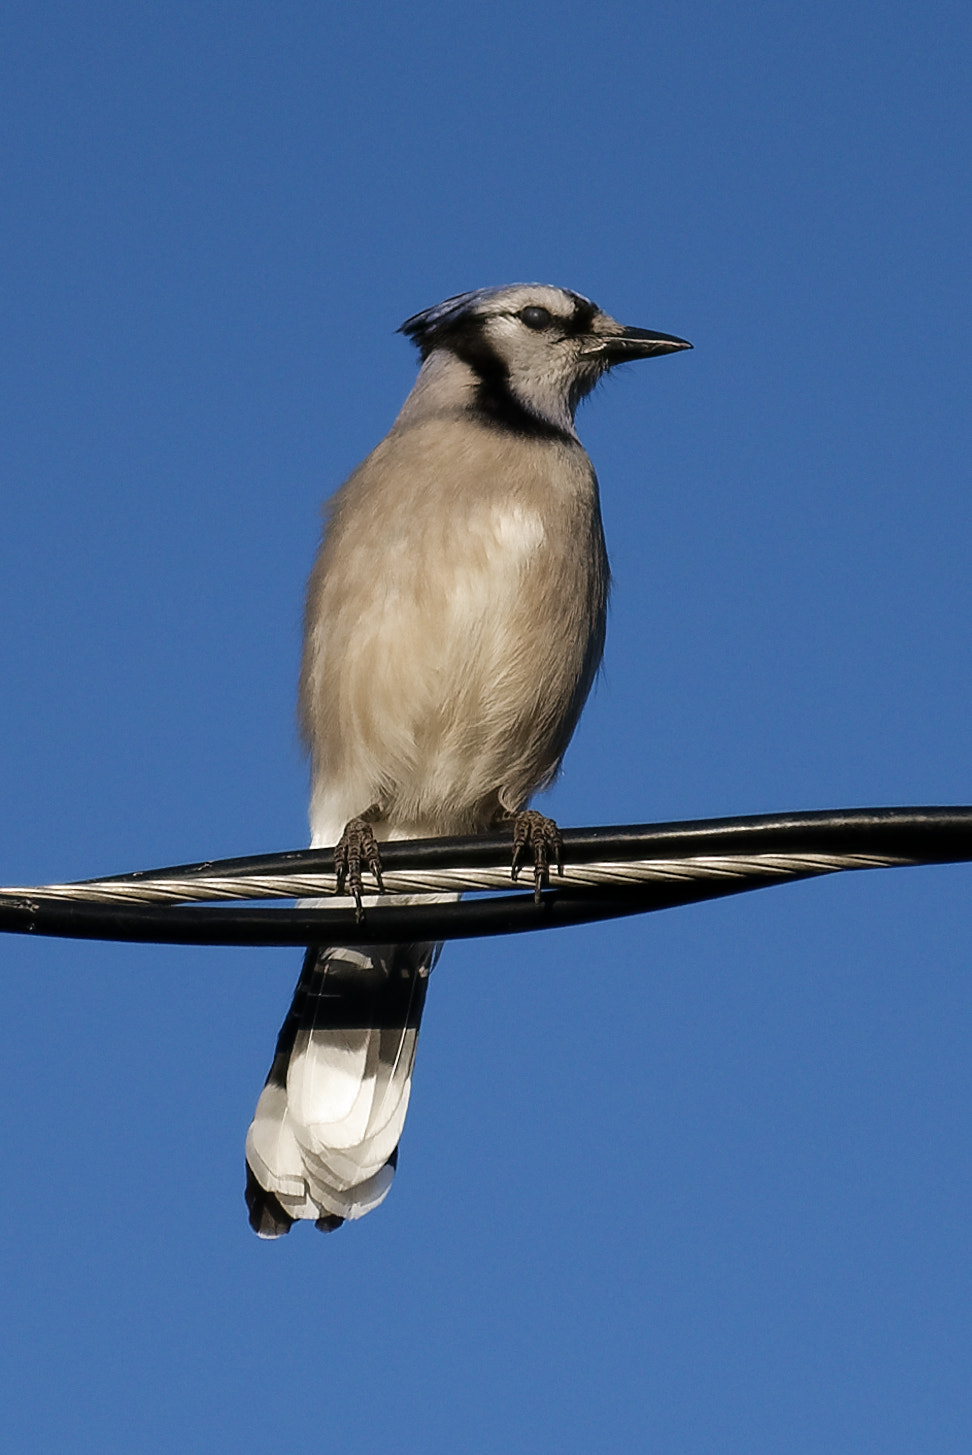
<point>454,624</point>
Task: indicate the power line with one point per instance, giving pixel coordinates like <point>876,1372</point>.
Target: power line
<point>610,872</point>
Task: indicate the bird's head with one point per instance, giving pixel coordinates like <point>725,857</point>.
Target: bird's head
<point>534,350</point>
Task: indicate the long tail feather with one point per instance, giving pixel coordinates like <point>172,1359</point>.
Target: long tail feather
<point>324,1138</point>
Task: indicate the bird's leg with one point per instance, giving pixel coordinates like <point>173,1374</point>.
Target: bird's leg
<point>356,846</point>
<point>540,837</point>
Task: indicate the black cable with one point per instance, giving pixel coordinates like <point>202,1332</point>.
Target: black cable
<point>936,835</point>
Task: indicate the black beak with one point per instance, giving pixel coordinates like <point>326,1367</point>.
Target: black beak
<point>636,343</point>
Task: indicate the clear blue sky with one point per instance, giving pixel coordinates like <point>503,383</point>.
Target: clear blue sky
<point>696,1184</point>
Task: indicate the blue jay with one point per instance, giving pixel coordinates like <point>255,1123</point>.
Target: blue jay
<point>454,625</point>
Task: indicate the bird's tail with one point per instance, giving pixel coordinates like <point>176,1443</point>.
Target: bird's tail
<point>323,1142</point>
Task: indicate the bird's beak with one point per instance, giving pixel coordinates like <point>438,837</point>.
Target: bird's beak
<point>634,343</point>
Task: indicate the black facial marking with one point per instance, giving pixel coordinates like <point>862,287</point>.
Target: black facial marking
<point>496,404</point>
<point>582,318</point>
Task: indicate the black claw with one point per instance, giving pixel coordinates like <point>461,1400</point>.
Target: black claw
<point>541,837</point>
<point>356,845</point>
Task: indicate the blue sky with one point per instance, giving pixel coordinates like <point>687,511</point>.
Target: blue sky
<point>699,1182</point>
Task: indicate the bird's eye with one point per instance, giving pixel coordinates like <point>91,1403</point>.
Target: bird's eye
<point>535,317</point>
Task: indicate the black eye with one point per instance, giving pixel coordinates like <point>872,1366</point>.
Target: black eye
<point>535,317</point>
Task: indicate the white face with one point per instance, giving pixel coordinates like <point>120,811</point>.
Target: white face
<point>548,342</point>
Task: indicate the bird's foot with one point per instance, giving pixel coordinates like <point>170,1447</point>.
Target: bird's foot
<point>539,837</point>
<point>357,846</point>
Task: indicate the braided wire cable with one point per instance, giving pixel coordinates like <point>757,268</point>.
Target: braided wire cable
<point>213,888</point>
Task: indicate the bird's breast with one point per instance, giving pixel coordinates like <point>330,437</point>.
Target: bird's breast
<point>450,645</point>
